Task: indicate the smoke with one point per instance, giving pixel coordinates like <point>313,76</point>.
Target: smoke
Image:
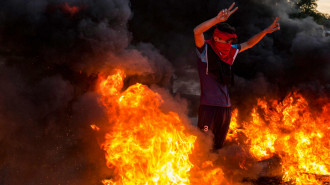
<point>51,54</point>
<point>296,58</point>
<point>52,51</point>
<point>283,61</point>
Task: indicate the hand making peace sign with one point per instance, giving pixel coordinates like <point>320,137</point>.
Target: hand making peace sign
<point>224,14</point>
<point>274,26</point>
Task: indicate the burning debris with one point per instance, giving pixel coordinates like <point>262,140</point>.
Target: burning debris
<point>147,146</point>
<point>292,131</point>
<point>54,52</point>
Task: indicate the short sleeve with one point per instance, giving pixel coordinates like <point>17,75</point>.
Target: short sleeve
<point>202,53</point>
<point>201,49</point>
<point>236,46</point>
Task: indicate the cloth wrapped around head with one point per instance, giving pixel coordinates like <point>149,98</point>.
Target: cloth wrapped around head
<point>225,51</point>
<point>223,35</point>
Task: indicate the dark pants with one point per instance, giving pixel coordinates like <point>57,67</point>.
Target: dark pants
<point>215,119</point>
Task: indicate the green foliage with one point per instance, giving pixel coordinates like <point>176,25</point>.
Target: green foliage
<point>308,8</point>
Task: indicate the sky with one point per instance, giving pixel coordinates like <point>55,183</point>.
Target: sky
<point>323,6</point>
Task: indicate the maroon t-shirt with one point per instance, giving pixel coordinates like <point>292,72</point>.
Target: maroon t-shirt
<point>213,91</point>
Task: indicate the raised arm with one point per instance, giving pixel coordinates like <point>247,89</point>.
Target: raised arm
<point>255,39</point>
<point>222,16</point>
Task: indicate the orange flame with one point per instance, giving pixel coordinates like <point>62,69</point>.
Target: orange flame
<point>94,127</point>
<point>290,130</point>
<point>146,146</point>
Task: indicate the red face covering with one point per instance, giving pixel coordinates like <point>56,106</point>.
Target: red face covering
<point>225,51</point>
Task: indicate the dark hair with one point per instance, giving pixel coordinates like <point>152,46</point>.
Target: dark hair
<point>225,27</point>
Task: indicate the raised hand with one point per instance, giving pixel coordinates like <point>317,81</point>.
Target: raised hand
<point>224,14</point>
<point>274,26</point>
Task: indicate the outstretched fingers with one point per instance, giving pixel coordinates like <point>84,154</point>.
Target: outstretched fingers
<point>231,6</point>
<point>276,19</point>
<point>276,24</point>
<point>224,14</point>
<point>230,9</point>
<point>277,27</point>
<point>231,12</point>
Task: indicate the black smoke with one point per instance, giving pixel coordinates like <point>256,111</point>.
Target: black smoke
<point>50,60</point>
<point>296,58</point>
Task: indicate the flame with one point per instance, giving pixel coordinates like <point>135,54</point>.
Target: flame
<point>291,130</point>
<point>94,127</point>
<point>145,145</point>
<point>234,127</point>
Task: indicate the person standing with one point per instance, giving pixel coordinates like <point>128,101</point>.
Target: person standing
<point>215,58</point>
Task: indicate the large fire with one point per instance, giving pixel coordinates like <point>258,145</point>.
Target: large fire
<point>289,129</point>
<point>147,146</point>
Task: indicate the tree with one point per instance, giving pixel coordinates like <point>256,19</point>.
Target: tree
<point>308,8</point>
